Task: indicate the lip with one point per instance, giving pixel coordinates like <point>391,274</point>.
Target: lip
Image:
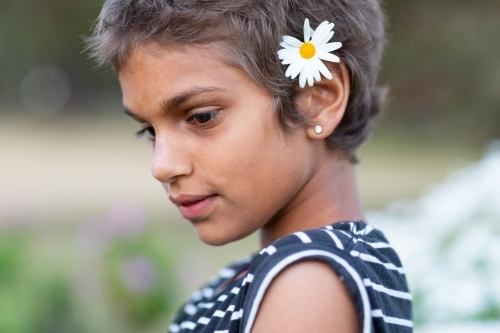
<point>192,207</point>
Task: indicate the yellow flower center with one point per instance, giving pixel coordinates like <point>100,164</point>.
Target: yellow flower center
<point>307,50</point>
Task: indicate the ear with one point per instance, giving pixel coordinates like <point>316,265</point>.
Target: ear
<point>324,103</point>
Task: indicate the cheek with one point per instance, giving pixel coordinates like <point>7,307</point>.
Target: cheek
<point>258,170</point>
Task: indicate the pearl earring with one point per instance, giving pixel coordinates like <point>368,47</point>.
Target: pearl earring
<point>318,129</point>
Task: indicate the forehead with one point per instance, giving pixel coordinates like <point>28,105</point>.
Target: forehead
<point>154,67</point>
<point>173,60</point>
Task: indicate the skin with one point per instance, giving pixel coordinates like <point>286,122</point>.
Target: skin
<point>319,302</point>
<point>258,177</point>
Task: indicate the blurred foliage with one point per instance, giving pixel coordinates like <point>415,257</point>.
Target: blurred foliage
<point>442,66</point>
<point>42,303</point>
<point>124,284</point>
<point>441,63</point>
<point>143,295</point>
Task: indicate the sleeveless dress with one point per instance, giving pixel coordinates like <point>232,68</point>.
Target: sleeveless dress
<point>359,254</point>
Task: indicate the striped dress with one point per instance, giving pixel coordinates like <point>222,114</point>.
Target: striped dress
<point>358,253</point>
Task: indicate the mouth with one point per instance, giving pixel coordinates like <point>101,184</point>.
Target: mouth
<point>193,207</point>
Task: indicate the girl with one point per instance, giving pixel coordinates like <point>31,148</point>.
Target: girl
<point>255,112</point>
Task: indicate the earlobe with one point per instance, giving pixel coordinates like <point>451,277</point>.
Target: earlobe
<point>324,104</point>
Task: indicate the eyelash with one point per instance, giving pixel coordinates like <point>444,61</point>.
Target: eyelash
<point>212,114</point>
<point>192,119</point>
<point>143,131</point>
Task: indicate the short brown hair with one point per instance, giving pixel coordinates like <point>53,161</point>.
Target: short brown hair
<point>251,31</point>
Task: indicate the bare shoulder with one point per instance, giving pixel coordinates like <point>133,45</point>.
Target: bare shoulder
<point>307,297</point>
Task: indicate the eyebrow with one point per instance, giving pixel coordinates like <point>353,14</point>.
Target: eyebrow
<point>131,114</point>
<point>183,97</point>
<point>176,101</point>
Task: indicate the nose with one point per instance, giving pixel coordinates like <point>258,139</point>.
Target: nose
<point>170,161</point>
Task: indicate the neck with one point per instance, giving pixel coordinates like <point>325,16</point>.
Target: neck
<point>330,195</point>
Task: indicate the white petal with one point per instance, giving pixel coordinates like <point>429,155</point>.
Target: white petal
<point>313,67</point>
<point>325,38</point>
<point>310,76</point>
<point>324,28</point>
<point>330,47</point>
<point>292,41</point>
<point>292,59</point>
<point>328,56</point>
<point>290,51</point>
<point>323,24</point>
<point>320,29</point>
<point>289,47</point>
<point>323,69</point>
<point>285,53</point>
<point>303,76</point>
<point>307,31</point>
<point>318,32</point>
<point>295,68</point>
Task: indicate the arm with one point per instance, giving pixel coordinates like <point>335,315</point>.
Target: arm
<point>307,297</point>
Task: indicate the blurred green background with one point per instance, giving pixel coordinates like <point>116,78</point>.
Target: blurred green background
<point>88,239</point>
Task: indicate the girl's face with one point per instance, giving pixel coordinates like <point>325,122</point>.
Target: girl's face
<point>218,148</point>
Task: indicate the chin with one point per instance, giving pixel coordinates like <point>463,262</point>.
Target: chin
<point>216,236</point>
<point>214,240</point>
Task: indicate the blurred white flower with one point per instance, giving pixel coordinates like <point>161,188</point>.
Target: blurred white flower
<point>449,240</point>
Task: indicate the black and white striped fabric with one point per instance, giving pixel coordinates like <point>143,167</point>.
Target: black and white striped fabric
<point>358,253</point>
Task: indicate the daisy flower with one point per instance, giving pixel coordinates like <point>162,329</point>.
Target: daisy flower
<point>305,58</point>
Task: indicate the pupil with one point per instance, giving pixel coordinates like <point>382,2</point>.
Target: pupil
<point>204,117</point>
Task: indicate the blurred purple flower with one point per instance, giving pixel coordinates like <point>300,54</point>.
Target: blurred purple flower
<point>121,221</point>
<point>124,221</point>
<point>139,274</point>
<point>90,234</point>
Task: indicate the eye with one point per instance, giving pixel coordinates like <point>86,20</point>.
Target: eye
<point>149,130</point>
<point>203,117</point>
